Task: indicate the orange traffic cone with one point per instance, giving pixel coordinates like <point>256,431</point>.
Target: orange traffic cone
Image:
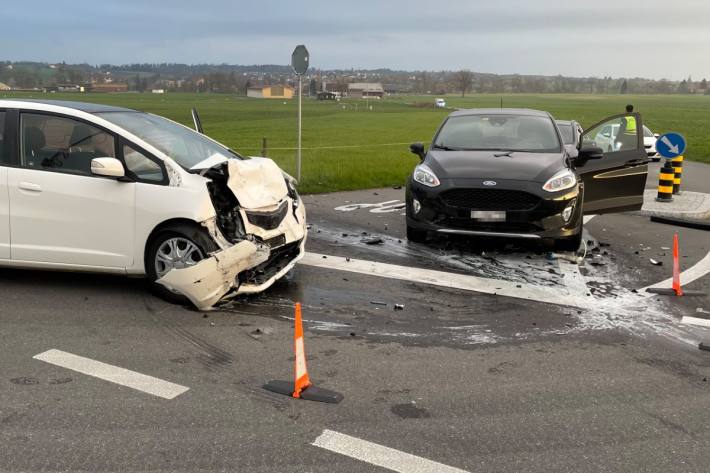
<point>675,289</point>
<point>301,387</point>
<point>676,268</point>
<point>302,381</point>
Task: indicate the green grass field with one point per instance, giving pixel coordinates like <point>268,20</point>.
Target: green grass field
<point>349,146</point>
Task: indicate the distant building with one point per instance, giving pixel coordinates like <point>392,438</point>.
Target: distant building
<point>361,90</point>
<point>69,88</point>
<point>271,92</point>
<point>4,86</point>
<point>112,87</point>
<point>327,96</point>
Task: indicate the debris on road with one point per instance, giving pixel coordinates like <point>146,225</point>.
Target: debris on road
<point>378,303</point>
<point>373,241</point>
<point>704,346</point>
<point>655,262</point>
<point>399,307</point>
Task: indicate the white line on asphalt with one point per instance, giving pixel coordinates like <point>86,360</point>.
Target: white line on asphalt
<point>379,455</point>
<point>114,374</point>
<point>695,321</point>
<point>551,295</point>
<point>697,271</point>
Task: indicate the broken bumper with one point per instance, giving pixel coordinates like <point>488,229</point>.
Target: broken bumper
<point>247,267</point>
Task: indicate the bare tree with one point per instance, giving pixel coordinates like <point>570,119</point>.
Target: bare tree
<point>463,79</point>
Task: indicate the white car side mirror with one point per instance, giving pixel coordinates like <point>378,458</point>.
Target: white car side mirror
<point>109,167</point>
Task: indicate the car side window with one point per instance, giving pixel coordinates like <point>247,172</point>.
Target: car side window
<point>62,144</point>
<point>2,137</point>
<point>612,136</point>
<point>141,166</point>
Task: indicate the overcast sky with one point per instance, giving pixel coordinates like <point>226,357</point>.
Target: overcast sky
<point>626,38</point>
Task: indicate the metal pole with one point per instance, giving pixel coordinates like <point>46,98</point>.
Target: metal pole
<point>298,154</point>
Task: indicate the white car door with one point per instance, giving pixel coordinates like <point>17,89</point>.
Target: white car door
<point>59,212</point>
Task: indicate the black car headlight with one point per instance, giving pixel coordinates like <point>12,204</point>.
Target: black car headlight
<point>425,176</point>
<point>564,179</point>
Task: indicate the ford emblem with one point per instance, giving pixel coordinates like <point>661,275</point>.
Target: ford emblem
<point>489,183</point>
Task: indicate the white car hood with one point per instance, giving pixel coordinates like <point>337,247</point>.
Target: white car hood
<point>256,182</point>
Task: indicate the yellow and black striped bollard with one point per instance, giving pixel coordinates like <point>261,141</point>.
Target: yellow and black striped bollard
<point>665,182</point>
<point>677,164</point>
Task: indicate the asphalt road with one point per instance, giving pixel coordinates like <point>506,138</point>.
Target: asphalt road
<point>508,379</point>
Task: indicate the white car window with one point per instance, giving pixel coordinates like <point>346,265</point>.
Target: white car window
<point>144,168</point>
<point>62,144</point>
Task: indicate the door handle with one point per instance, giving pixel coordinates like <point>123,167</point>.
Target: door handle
<point>28,186</point>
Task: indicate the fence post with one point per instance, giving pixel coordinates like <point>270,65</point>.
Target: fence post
<point>264,147</point>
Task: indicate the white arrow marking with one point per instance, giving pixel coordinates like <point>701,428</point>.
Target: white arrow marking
<point>673,148</point>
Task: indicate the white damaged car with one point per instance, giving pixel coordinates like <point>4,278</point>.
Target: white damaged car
<point>87,187</point>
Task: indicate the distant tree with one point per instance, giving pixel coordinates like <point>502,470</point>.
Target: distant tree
<point>683,87</point>
<point>704,84</point>
<point>463,79</point>
<point>624,87</point>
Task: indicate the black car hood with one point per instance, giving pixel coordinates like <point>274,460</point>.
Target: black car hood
<point>538,167</point>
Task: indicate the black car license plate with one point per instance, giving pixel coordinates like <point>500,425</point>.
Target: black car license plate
<point>488,215</point>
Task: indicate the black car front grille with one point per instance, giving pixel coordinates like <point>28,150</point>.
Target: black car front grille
<point>268,220</point>
<point>490,199</point>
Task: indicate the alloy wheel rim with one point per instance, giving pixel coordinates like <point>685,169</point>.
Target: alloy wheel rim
<point>176,253</point>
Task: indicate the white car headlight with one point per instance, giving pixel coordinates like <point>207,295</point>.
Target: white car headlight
<point>564,179</point>
<point>424,175</point>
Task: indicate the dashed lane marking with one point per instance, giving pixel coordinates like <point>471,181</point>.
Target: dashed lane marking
<point>551,295</point>
<point>113,374</point>
<point>379,455</point>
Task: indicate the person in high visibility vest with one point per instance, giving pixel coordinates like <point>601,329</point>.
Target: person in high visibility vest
<point>626,138</point>
<point>630,121</point>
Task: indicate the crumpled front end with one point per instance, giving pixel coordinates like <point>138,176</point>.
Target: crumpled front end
<point>260,227</point>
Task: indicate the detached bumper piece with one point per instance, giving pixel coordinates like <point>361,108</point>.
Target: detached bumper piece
<point>279,259</point>
<point>209,280</point>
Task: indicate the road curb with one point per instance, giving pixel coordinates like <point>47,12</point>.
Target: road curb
<point>687,205</point>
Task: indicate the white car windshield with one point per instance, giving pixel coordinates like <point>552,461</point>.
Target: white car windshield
<point>498,132</point>
<point>186,147</point>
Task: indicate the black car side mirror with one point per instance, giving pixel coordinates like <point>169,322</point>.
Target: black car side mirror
<point>418,149</point>
<point>586,153</point>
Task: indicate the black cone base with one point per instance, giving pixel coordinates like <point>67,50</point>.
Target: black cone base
<point>311,393</point>
<point>666,291</point>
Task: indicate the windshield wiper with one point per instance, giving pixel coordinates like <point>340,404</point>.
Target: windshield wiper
<point>443,147</point>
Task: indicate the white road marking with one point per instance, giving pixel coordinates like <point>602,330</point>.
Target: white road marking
<point>379,455</point>
<point>551,295</point>
<point>587,218</point>
<point>114,374</point>
<point>695,321</point>
<point>695,272</point>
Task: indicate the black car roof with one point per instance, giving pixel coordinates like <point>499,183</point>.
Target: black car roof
<point>500,111</point>
<point>82,106</point>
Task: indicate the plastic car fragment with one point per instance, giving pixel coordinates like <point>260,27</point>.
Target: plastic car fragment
<point>211,279</point>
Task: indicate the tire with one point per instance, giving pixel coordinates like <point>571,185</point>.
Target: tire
<point>570,243</point>
<point>179,236</point>
<point>416,236</point>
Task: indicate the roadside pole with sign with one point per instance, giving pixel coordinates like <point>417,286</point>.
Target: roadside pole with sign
<point>299,63</point>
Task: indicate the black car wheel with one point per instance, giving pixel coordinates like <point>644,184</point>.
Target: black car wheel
<point>175,247</point>
<point>417,236</point>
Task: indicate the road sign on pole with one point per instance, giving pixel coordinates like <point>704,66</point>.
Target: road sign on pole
<point>299,63</point>
<point>670,145</point>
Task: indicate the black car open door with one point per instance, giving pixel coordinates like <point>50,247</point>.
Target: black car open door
<point>616,182</point>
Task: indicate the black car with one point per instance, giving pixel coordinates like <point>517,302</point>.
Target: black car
<point>506,173</point>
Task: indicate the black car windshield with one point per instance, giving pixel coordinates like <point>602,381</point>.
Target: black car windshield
<point>188,148</point>
<point>498,132</point>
